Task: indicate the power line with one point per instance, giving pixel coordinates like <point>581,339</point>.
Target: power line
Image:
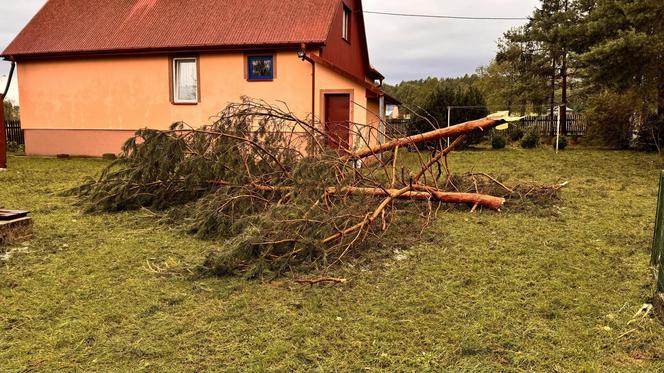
<point>448,17</point>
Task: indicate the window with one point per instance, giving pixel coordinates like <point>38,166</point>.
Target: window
<point>260,68</point>
<point>345,26</point>
<point>185,80</point>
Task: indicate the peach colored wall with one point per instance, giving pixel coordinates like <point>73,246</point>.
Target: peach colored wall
<point>127,93</point>
<point>75,142</point>
<point>373,119</point>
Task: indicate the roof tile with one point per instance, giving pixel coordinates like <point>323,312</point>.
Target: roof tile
<point>90,26</point>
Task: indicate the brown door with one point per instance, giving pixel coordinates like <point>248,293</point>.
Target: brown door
<point>337,120</point>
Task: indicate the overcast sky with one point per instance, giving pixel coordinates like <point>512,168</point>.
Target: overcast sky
<point>402,48</point>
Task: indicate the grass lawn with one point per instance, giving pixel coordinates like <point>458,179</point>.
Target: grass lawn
<point>511,292</point>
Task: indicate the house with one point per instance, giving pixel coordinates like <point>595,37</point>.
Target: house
<point>92,72</point>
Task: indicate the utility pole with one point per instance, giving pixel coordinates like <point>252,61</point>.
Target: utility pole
<point>552,99</point>
<point>563,72</point>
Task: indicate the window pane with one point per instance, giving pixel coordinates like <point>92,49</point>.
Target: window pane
<point>186,81</point>
<point>261,67</point>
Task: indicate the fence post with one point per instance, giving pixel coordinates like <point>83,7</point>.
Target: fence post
<point>3,133</point>
<point>658,240</point>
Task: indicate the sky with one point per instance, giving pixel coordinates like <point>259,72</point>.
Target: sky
<point>402,48</point>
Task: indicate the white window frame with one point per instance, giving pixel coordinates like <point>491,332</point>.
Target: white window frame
<point>176,86</point>
<point>345,23</point>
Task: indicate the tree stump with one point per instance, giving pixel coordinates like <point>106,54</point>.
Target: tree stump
<point>14,226</point>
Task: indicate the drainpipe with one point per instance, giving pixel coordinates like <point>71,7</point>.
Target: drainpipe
<point>381,125</point>
<point>304,57</point>
<point>3,130</point>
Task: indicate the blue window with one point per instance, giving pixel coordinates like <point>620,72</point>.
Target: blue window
<point>260,67</point>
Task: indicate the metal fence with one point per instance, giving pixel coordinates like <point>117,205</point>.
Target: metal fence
<point>545,123</point>
<point>14,132</point>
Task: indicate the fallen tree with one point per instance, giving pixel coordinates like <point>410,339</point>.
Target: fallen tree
<point>262,182</point>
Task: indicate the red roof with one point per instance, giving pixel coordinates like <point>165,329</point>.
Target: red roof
<point>94,26</point>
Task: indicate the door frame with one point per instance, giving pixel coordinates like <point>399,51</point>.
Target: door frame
<point>351,114</point>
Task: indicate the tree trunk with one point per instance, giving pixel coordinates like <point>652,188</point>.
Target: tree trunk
<point>563,107</point>
<point>660,103</point>
<point>453,131</point>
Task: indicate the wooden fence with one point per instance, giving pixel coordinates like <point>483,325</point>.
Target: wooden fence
<point>397,128</point>
<point>14,132</point>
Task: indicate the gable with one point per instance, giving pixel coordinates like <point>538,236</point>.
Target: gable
<point>351,55</point>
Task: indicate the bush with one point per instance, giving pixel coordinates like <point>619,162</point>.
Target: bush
<point>14,147</point>
<point>574,140</point>
<point>608,118</point>
<point>516,134</point>
<point>531,139</point>
<point>650,135</point>
<point>562,143</point>
<point>498,142</point>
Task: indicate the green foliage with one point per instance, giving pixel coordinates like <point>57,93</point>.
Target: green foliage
<point>609,119</point>
<point>240,182</point>
<point>608,45</point>
<point>429,98</point>
<point>531,139</point>
<point>445,95</point>
<point>625,43</point>
<point>517,79</point>
<point>14,147</point>
<point>414,94</point>
<point>516,134</point>
<point>11,110</point>
<point>650,135</point>
<point>562,143</point>
<point>84,280</point>
<point>498,141</point>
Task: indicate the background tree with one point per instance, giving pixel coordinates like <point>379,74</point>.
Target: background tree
<point>429,99</point>
<point>11,110</point>
<point>624,50</point>
<point>516,79</point>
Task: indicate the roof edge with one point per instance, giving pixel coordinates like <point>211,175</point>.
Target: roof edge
<point>154,51</point>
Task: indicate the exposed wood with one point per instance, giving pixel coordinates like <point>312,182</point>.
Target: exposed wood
<point>15,230</point>
<point>438,157</point>
<point>321,280</point>
<point>12,214</point>
<point>426,193</point>
<point>494,203</point>
<point>494,180</point>
<point>453,131</point>
<point>370,218</point>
